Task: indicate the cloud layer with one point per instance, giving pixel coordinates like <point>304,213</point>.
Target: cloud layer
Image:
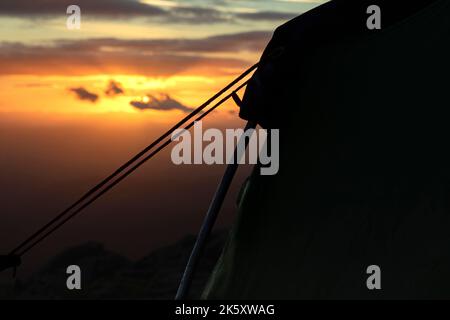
<point>97,7</point>
<point>181,12</point>
<point>151,57</point>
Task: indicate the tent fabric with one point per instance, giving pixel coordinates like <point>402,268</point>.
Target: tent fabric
<point>364,173</point>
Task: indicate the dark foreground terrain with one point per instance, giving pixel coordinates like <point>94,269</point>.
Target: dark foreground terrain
<point>108,275</point>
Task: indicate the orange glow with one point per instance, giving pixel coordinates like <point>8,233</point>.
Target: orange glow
<point>50,94</point>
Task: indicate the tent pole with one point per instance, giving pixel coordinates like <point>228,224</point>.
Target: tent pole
<point>210,219</point>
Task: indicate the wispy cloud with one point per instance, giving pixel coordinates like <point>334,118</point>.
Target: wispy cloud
<point>150,57</point>
<point>89,7</point>
<point>267,15</point>
<point>244,41</point>
<point>186,12</point>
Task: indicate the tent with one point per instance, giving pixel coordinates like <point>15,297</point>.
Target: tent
<point>364,179</point>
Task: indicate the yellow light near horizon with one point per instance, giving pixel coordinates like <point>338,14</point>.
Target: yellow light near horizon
<point>51,94</point>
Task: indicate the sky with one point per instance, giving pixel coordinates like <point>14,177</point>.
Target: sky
<point>76,104</point>
<point>180,51</point>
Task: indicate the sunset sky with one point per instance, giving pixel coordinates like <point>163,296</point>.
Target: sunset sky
<point>153,50</point>
<point>76,104</point>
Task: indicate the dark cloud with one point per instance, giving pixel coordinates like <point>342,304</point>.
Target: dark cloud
<point>181,13</point>
<point>114,88</point>
<point>244,41</point>
<point>80,64</point>
<point>161,102</point>
<point>88,7</point>
<point>150,57</point>
<point>83,94</point>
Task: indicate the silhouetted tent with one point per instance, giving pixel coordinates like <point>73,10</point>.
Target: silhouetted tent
<point>364,159</point>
